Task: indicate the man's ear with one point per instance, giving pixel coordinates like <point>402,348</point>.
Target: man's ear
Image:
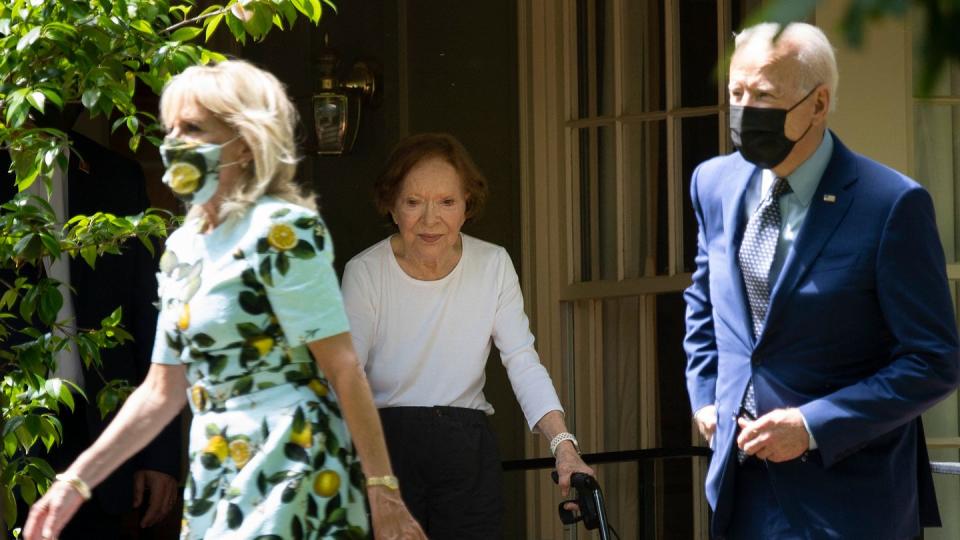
<point>822,102</point>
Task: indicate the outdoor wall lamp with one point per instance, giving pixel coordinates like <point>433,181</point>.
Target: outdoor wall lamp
<point>339,101</point>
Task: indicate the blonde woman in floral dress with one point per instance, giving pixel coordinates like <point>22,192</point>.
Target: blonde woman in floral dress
<point>248,294</point>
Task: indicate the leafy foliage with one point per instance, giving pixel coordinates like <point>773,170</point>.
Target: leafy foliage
<point>98,53</point>
<point>939,42</point>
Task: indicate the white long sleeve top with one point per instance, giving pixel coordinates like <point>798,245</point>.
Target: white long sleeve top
<point>426,343</point>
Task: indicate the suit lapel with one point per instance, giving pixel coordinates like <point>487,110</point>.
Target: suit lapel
<point>829,205</point>
<point>740,177</point>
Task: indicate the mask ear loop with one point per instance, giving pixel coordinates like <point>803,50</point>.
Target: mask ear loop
<point>242,162</point>
<point>797,104</point>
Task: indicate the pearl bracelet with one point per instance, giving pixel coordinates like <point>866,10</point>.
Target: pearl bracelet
<point>76,483</point>
<point>564,436</point>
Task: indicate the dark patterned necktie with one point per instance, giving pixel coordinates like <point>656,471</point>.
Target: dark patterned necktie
<point>755,256</point>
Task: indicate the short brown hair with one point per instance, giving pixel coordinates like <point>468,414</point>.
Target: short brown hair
<point>412,150</point>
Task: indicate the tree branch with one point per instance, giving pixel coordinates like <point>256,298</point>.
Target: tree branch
<point>185,22</point>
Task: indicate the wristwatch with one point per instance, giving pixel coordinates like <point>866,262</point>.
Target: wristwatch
<point>389,481</point>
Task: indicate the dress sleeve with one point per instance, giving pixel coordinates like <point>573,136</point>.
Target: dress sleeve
<point>530,381</point>
<point>166,345</point>
<point>293,258</point>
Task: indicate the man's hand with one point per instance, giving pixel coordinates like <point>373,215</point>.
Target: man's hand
<point>163,495</point>
<point>776,436</point>
<point>706,419</point>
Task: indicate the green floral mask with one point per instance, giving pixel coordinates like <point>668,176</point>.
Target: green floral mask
<point>193,168</point>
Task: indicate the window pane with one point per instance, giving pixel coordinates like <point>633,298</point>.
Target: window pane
<point>644,70</point>
<point>674,422</point>
<point>595,65</point>
<point>621,407</point>
<point>698,52</point>
<point>582,198</point>
<point>645,178</point>
<point>598,204</point>
<point>581,76</point>
<point>605,66</point>
<point>937,149</point>
<point>700,138</point>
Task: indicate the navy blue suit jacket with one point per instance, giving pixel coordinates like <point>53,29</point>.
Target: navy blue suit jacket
<point>104,181</point>
<point>860,335</point>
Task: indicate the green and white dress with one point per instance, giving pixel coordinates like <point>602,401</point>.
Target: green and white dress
<point>270,456</point>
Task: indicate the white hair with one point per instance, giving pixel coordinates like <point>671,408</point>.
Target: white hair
<point>255,104</point>
<point>812,49</point>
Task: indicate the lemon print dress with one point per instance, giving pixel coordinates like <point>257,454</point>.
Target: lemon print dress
<point>270,456</point>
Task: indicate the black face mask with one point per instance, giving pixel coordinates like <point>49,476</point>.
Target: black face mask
<point>758,132</point>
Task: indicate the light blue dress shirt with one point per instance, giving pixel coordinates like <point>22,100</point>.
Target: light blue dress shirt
<point>793,209</point>
<point>794,205</point>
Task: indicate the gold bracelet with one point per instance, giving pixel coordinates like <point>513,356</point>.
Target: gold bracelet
<point>389,481</point>
<point>76,483</point>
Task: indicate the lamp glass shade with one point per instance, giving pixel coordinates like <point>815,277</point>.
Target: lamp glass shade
<point>330,114</point>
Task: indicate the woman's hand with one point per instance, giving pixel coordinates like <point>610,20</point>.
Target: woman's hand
<point>391,519</point>
<point>50,514</point>
<point>569,462</point>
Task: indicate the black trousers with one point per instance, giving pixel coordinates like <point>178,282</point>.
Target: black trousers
<point>448,464</point>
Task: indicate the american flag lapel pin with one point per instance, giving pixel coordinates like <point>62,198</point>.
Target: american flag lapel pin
<point>830,198</point>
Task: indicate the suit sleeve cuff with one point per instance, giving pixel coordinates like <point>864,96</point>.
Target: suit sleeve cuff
<point>810,440</point>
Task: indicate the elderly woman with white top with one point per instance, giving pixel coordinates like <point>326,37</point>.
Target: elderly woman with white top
<point>425,305</point>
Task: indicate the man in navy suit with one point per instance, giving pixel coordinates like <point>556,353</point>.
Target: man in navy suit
<point>144,490</point>
<point>819,321</point>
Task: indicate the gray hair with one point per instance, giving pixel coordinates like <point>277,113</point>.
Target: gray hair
<point>818,64</point>
<point>253,102</point>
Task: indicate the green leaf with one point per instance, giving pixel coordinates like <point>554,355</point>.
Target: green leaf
<point>216,364</point>
<point>296,527</point>
<point>200,506</point>
<point>211,25</point>
<point>253,303</point>
<point>185,33</point>
<point>299,420</point>
<point>50,303</point>
<point>236,28</point>
<point>37,100</point>
<point>10,297</point>
<point>242,386</point>
<point>283,264</point>
<point>295,452</point>
<point>29,38</point>
<point>51,244</point>
<point>142,26</point>
<point>203,340</point>
<point>8,506</point>
<point>234,516</point>
<point>290,490</point>
<point>114,318</point>
<point>212,430</point>
<point>303,250</point>
<point>89,254</point>
<point>90,98</point>
<point>210,461</point>
<point>66,396</point>
<point>53,387</point>
<point>265,272</point>
<point>249,330</point>
<point>107,401</point>
<point>338,516</point>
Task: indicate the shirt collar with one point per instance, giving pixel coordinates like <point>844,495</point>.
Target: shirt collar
<point>806,177</point>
